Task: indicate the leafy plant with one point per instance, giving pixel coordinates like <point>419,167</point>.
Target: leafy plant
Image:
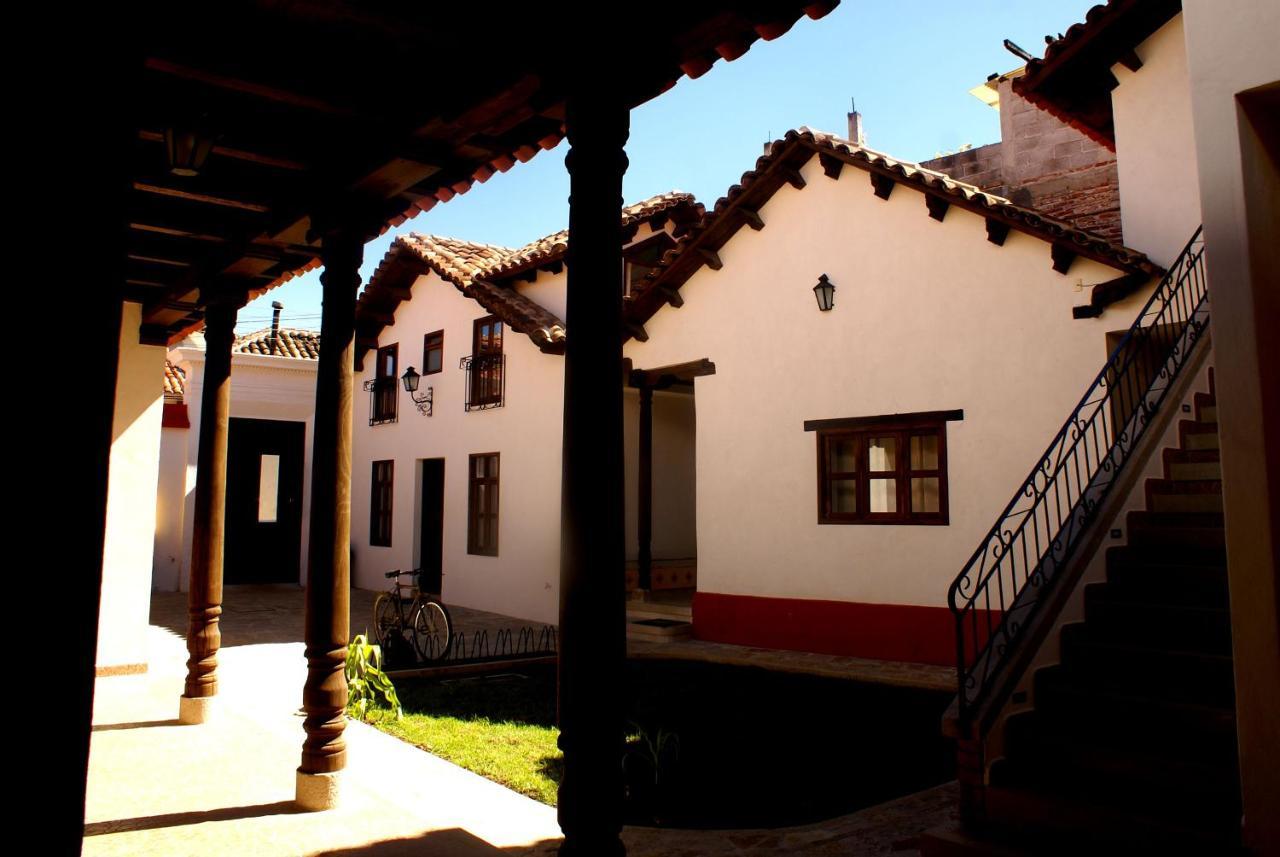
<point>646,767</point>
<point>368,686</point>
<point>659,749</point>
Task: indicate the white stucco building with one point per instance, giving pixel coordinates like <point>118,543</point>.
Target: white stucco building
<point>963,327</point>
<point>268,458</point>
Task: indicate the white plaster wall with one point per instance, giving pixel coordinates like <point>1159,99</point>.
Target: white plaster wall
<point>1155,147</point>
<point>262,387</point>
<point>928,316</point>
<point>1232,53</point>
<point>171,501</point>
<point>675,525</point>
<point>523,580</point>
<point>131,498</point>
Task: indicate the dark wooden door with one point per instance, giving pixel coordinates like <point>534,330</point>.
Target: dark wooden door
<point>264,501</point>
<point>431,541</point>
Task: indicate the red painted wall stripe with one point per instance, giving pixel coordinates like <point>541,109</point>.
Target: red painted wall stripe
<point>175,415</point>
<point>891,632</point>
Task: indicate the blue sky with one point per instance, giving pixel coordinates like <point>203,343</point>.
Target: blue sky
<point>909,66</point>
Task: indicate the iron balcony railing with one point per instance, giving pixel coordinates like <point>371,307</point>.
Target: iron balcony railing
<point>1019,561</point>
<point>485,381</point>
<point>383,400</point>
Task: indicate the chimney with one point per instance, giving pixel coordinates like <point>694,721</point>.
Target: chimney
<point>276,306</point>
<point>855,126</point>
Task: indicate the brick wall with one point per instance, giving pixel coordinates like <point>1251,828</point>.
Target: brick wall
<point>1045,164</point>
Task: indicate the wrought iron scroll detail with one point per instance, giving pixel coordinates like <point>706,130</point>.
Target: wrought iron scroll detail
<point>485,382</point>
<point>1019,561</point>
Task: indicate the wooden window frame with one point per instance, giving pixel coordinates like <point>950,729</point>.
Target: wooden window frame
<point>381,503</point>
<point>385,393</point>
<point>902,427</point>
<point>475,524</point>
<point>487,388</point>
<point>428,347</point>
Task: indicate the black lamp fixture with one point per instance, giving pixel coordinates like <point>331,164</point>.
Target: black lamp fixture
<point>188,146</point>
<point>825,292</point>
<point>410,379</point>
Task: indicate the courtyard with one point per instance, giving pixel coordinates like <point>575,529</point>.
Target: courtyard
<point>157,787</point>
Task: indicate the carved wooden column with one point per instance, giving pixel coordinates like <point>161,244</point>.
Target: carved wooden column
<point>644,489</point>
<point>204,599</point>
<point>592,591</point>
<point>324,696</point>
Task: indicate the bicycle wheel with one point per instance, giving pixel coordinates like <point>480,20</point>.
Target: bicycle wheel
<point>386,619</point>
<point>432,631</point>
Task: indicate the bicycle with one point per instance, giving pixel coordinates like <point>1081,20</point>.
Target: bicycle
<point>405,607</point>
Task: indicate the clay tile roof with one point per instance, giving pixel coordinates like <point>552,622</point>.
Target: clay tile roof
<point>175,381</point>
<point>778,166</point>
<point>465,264</point>
<point>554,246</point>
<point>293,342</point>
<point>1074,81</point>
<point>475,268</point>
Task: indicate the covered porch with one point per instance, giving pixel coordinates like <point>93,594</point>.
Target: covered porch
<point>242,149</point>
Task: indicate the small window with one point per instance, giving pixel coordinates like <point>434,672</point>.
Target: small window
<point>433,353</point>
<point>482,505</point>
<point>268,489</point>
<point>380,495</point>
<point>485,365</point>
<point>883,470</point>
<point>384,385</point>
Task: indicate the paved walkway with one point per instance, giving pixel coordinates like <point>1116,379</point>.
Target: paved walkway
<point>227,787</point>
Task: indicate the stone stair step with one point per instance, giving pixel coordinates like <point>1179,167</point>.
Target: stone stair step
<point>1180,578</point>
<point>659,610</point>
<point>1184,495</point>
<point>1193,470</point>
<point>1159,673</point>
<point>1154,624</point>
<point>1163,530</point>
<point>1115,828</point>
<point>658,629</point>
<point>1195,435</point>
<point>1130,720</point>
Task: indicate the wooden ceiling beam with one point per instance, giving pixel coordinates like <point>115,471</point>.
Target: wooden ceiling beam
<point>252,88</point>
<point>257,158</point>
<point>202,198</point>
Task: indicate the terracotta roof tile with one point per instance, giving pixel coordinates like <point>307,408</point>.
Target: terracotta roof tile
<point>294,342</point>
<point>474,267</point>
<point>776,167</point>
<point>1073,81</point>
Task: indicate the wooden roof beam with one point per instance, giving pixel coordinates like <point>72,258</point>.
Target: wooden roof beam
<point>711,257</point>
<point>751,217</point>
<point>937,206</point>
<point>252,88</point>
<point>997,231</point>
<point>881,184</point>
<point>831,165</point>
<point>1063,256</point>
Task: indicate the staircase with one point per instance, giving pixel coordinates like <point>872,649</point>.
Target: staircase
<point>1128,744</point>
<point>657,619</point>
<point>1132,737</point>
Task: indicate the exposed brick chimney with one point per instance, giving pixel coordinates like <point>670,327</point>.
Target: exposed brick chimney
<point>855,127</point>
<point>276,306</point>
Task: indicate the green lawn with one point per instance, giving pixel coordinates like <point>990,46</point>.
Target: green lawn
<point>500,728</point>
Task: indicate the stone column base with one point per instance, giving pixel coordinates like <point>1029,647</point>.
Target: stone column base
<point>317,792</point>
<point>195,709</point>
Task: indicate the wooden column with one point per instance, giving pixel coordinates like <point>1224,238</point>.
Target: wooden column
<point>324,696</point>
<point>592,592</point>
<point>644,489</point>
<point>204,600</point>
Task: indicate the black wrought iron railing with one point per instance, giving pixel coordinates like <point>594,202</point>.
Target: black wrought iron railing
<point>382,400</point>
<point>485,382</point>
<point>1019,562</point>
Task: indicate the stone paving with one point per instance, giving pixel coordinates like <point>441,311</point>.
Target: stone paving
<point>226,787</point>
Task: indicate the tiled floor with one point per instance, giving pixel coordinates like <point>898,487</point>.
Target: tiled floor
<point>226,787</point>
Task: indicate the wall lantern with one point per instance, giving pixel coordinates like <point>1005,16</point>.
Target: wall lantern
<point>188,147</point>
<point>410,379</point>
<point>825,292</point>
